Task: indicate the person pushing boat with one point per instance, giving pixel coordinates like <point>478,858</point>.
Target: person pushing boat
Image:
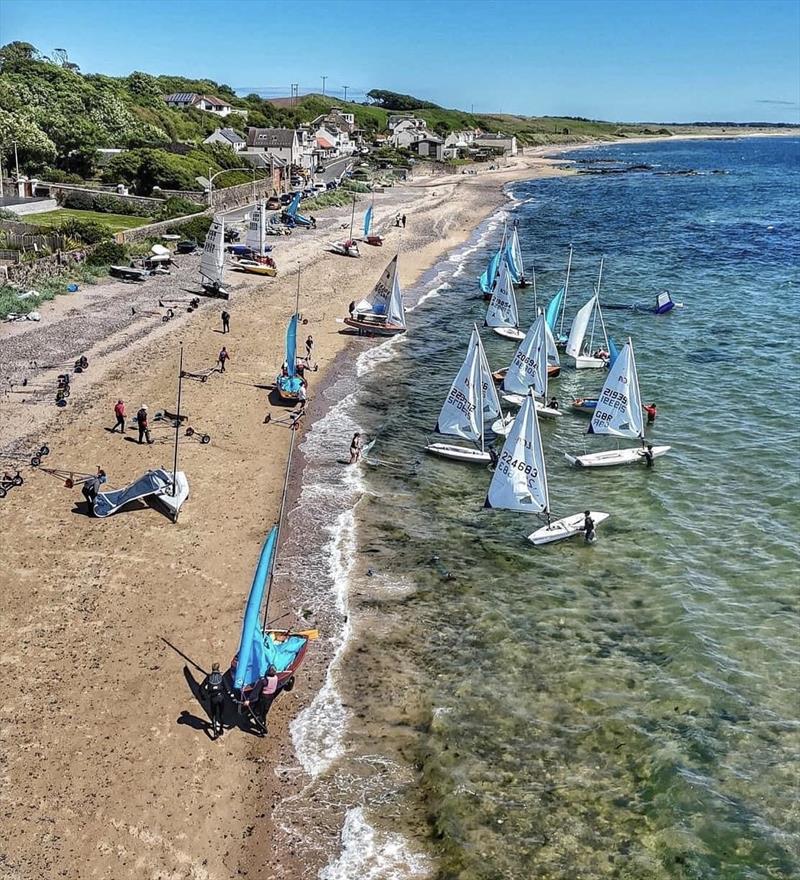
<point>651,411</point>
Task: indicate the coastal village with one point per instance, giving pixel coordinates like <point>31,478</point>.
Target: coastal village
<point>195,285</point>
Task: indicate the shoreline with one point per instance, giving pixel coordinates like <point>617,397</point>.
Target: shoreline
<point>182,795</point>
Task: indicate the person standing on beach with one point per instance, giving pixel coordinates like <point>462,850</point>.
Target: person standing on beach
<point>403,221</point>
<point>212,689</point>
<point>309,347</point>
<point>355,448</point>
<point>262,695</point>
<point>119,412</point>
<point>223,356</point>
<point>226,322</point>
<point>142,423</point>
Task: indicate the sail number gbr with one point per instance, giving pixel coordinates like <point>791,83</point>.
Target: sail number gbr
<point>508,463</point>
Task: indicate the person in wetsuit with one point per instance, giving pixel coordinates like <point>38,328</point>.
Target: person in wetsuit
<point>212,689</point>
<point>648,455</point>
<point>589,532</point>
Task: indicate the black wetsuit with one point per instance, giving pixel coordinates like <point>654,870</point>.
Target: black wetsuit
<point>648,457</point>
<point>213,690</point>
<point>588,528</point>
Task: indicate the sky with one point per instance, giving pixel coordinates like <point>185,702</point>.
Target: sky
<point>620,60</point>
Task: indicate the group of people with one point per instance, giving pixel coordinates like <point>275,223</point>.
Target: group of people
<point>256,700</point>
<point>400,220</point>
<point>142,421</point>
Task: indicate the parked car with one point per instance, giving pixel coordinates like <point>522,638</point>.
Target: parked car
<point>309,193</point>
<point>286,198</point>
<point>320,169</point>
<point>320,187</point>
<point>273,203</point>
<point>331,184</point>
<point>296,181</point>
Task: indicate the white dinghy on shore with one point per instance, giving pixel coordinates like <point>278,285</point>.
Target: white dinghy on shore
<point>619,414</point>
<point>471,402</point>
<point>519,482</point>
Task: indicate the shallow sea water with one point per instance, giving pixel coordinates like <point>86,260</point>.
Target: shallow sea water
<point>628,709</point>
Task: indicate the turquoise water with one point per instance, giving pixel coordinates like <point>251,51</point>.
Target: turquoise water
<point>628,709</point>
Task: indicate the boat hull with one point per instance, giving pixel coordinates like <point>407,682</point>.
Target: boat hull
<point>567,527</point>
<point>542,410</point>
<point>614,457</point>
<point>459,453</point>
<point>586,405</point>
<point>587,362</point>
<point>512,333</point>
<point>173,502</point>
<point>553,370</point>
<point>374,328</point>
<point>501,427</point>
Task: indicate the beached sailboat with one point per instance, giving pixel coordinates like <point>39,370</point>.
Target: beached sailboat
<point>519,481</point>
<point>489,276</point>
<point>288,384</point>
<point>618,413</point>
<point>369,237</point>
<point>292,217</point>
<point>529,370</point>
<point>502,315</point>
<point>382,313</point>
<point>586,357</point>
<point>514,259</point>
<point>259,647</point>
<point>212,262</point>
<point>348,248</point>
<point>256,242</point>
<point>471,404</point>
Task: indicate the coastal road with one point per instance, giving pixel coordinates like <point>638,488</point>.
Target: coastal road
<point>332,170</point>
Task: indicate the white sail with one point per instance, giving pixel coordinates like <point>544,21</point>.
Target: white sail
<point>502,311</point>
<point>396,313</point>
<point>578,331</point>
<point>553,359</point>
<point>460,415</point>
<point>256,234</point>
<point>515,255</point>
<point>491,400</point>
<point>619,407</point>
<point>377,301</point>
<point>528,369</point>
<point>520,479</point>
<point>213,260</point>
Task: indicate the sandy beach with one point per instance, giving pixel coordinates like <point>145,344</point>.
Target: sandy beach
<point>108,624</point>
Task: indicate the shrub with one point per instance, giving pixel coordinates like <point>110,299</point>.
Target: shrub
<point>78,201</point>
<point>175,206</point>
<point>5,214</point>
<point>88,231</point>
<point>56,175</point>
<point>107,253</point>
<point>196,229</point>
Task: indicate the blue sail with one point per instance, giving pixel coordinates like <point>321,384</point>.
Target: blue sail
<point>291,347</point>
<point>291,208</point>
<point>367,221</point>
<point>490,273</point>
<point>514,267</point>
<point>553,308</point>
<point>613,352</point>
<point>252,660</point>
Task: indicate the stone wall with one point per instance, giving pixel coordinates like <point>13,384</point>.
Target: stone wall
<point>154,230</point>
<point>236,196</point>
<point>60,190</point>
<point>194,195</point>
<point>26,274</point>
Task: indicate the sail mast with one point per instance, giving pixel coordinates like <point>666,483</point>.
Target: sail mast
<point>177,432</point>
<point>566,290</point>
<point>352,217</point>
<point>599,310</point>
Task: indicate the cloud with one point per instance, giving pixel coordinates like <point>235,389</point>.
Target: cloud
<point>774,101</point>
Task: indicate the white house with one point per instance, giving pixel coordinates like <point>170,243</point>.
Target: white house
<point>335,116</point>
<point>458,140</point>
<point>282,143</point>
<point>182,100</point>
<point>397,119</point>
<point>431,147</point>
<point>228,137</point>
<point>408,130</point>
<point>506,143</point>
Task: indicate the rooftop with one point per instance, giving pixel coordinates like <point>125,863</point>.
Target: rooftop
<point>270,137</point>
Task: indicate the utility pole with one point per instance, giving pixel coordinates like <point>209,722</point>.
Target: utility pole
<point>16,160</point>
<point>2,193</point>
<point>345,93</point>
<point>323,85</point>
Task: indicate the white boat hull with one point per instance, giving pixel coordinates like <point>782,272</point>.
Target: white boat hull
<point>567,527</point>
<point>173,502</point>
<point>509,333</point>
<point>614,457</point>
<point>545,412</point>
<point>501,427</point>
<point>459,453</point>
<point>586,362</point>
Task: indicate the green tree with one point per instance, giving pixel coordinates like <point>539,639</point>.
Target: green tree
<point>35,150</point>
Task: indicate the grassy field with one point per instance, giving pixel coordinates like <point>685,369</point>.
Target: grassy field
<point>114,222</point>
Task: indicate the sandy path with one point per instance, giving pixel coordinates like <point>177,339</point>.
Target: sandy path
<point>106,773</point>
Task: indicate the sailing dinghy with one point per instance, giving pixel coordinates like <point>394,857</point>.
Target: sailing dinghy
<point>618,413</point>
<point>212,262</point>
<point>471,403</point>
<point>369,238</point>
<point>348,248</point>
<point>502,315</point>
<point>519,481</point>
<point>256,243</point>
<point>529,370</point>
<point>382,313</point>
<point>489,276</point>
<point>585,355</point>
<point>514,259</point>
